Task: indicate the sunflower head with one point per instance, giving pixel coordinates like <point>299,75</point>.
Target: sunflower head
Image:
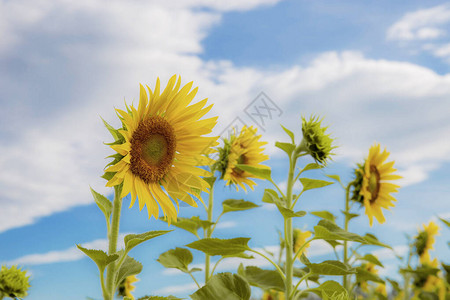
<point>381,289</point>
<point>371,268</point>
<point>424,241</point>
<point>376,186</point>
<point>244,148</point>
<point>126,286</point>
<point>273,295</point>
<point>300,238</point>
<point>357,184</point>
<point>13,282</point>
<point>315,141</point>
<point>160,147</point>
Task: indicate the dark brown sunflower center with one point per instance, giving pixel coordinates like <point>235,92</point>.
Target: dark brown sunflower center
<point>374,183</point>
<point>153,147</point>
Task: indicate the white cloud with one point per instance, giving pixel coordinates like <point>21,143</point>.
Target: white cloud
<point>177,289</point>
<point>226,224</point>
<point>421,24</point>
<point>69,254</point>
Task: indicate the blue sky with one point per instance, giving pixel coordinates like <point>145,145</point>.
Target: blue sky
<point>375,71</point>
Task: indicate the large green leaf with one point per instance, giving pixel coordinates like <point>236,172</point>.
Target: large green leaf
<point>205,224</point>
<point>309,184</point>
<point>289,213</point>
<point>290,133</point>
<point>327,230</point>
<point>103,203</point>
<point>132,240</point>
<point>324,214</point>
<point>237,205</point>
<point>99,257</point>
<point>214,246</point>
<point>286,147</point>
<point>264,279</point>
<point>331,267</point>
<point>224,286</point>
<point>178,258</point>
<point>371,258</point>
<point>129,267</point>
<point>185,224</point>
<point>330,289</point>
<point>364,275</point>
<point>263,173</point>
<point>270,196</point>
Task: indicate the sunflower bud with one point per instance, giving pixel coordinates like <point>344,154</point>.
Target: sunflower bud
<point>315,141</point>
<point>299,238</point>
<point>13,282</point>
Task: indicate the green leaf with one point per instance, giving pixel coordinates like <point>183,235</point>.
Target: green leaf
<point>264,279</point>
<point>329,289</point>
<point>304,259</point>
<point>309,184</point>
<point>372,240</point>
<point>129,267</point>
<point>286,147</point>
<point>324,214</point>
<point>210,180</point>
<point>160,298</point>
<point>202,223</point>
<point>311,166</point>
<point>289,213</point>
<point>132,240</point>
<point>331,267</point>
<point>445,222</point>
<point>263,173</point>
<point>224,286</point>
<point>186,224</point>
<point>364,275</point>
<point>335,177</point>
<point>349,215</point>
<point>103,203</point>
<point>327,230</point>
<point>289,133</point>
<point>178,258</point>
<point>333,243</point>
<point>99,257</point>
<point>270,196</point>
<point>395,285</point>
<point>371,258</point>
<point>214,246</point>
<point>240,255</point>
<point>237,205</point>
<point>423,271</point>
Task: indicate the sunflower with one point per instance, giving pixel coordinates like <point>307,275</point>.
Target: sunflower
<point>381,289</point>
<point>316,141</point>
<point>126,286</point>
<point>300,239</point>
<point>246,149</point>
<point>273,295</point>
<point>375,187</point>
<point>371,268</point>
<point>433,283</point>
<point>160,146</point>
<point>14,282</point>
<point>425,240</point>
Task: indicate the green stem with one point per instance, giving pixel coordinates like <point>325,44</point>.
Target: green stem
<point>215,265</point>
<point>113,236</point>
<point>208,232</point>
<point>289,267</point>
<point>198,285</point>
<point>300,281</point>
<point>301,248</point>
<point>215,223</point>
<point>407,276</point>
<point>276,186</point>
<point>271,261</point>
<point>347,210</point>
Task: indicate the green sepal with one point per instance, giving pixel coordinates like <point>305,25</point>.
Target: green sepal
<point>100,257</point>
<point>114,132</point>
<point>103,203</point>
<point>178,258</point>
<point>264,279</point>
<point>324,214</point>
<point>129,267</point>
<point>289,133</point>
<point>224,286</point>
<point>215,246</point>
<point>132,240</point>
<point>230,205</point>
<point>286,147</point>
<point>263,173</point>
<point>309,184</point>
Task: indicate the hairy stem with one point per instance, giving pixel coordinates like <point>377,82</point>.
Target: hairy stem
<point>209,231</point>
<point>347,210</point>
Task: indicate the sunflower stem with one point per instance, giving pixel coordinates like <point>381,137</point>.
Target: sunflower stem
<point>113,236</point>
<point>407,276</point>
<point>209,231</point>
<point>347,210</point>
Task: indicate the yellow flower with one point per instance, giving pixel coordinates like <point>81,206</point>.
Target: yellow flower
<point>245,149</point>
<point>376,188</point>
<point>369,267</point>
<point>381,289</point>
<point>126,286</point>
<point>300,238</point>
<point>434,284</point>
<point>273,295</point>
<point>425,240</point>
<point>162,146</point>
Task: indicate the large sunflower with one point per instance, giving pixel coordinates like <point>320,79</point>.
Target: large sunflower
<point>246,149</point>
<point>425,240</point>
<point>375,187</point>
<point>162,146</point>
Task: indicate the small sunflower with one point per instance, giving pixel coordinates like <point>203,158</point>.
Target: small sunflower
<point>425,240</point>
<point>300,238</point>
<point>375,187</point>
<point>273,295</point>
<point>432,283</point>
<point>13,282</point>
<point>126,286</point>
<point>246,149</point>
<point>315,141</point>
<point>160,146</point>
<point>381,289</point>
<point>371,268</point>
